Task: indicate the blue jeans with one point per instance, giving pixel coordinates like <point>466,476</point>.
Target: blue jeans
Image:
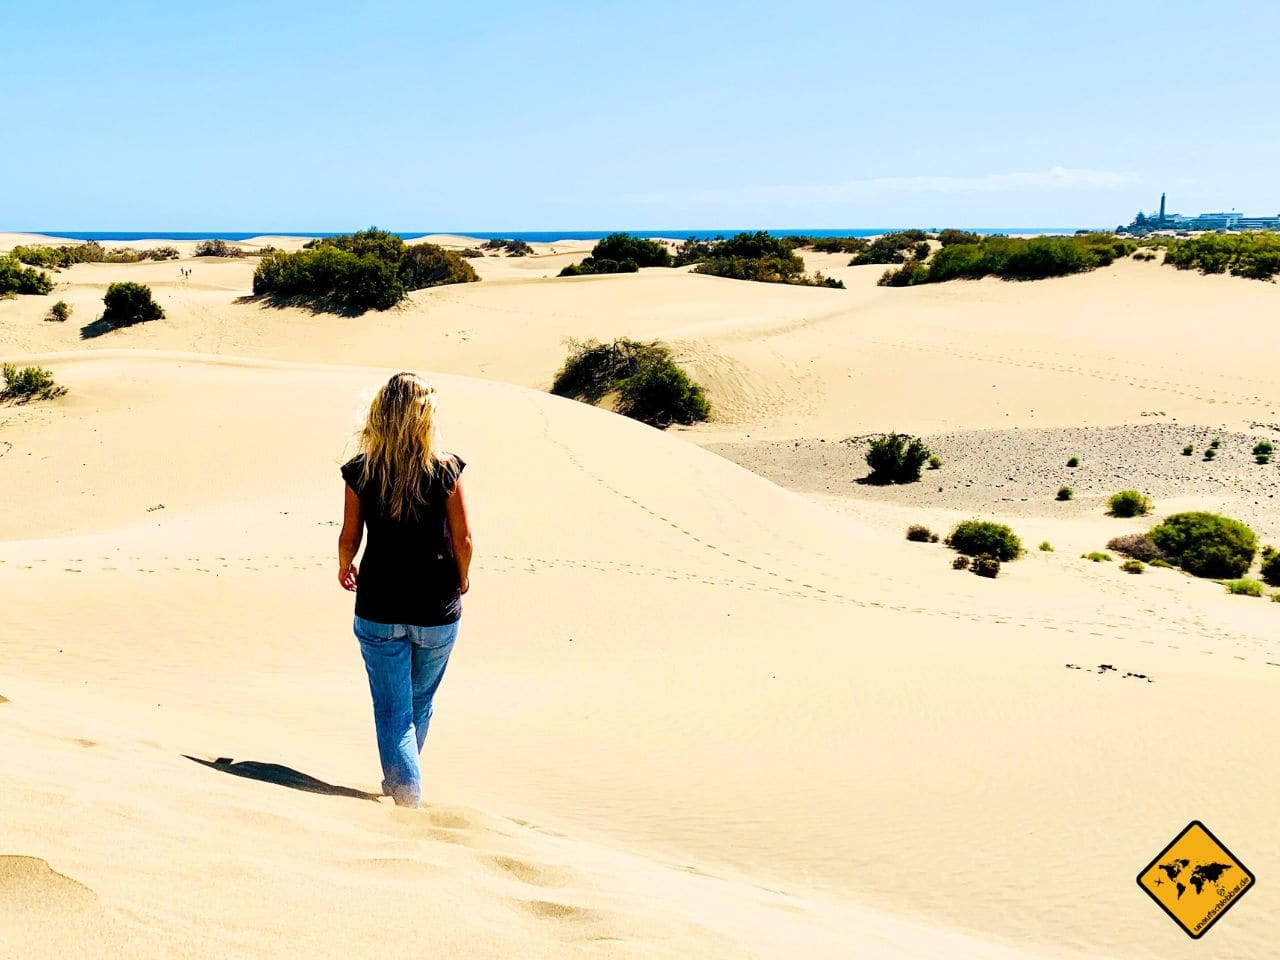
<point>405,664</point>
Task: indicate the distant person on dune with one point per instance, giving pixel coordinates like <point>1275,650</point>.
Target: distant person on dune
<point>408,496</point>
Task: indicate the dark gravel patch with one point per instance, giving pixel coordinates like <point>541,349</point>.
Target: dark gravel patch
<point>1019,471</point>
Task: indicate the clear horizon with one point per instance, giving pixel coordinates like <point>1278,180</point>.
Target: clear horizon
<point>566,113</point>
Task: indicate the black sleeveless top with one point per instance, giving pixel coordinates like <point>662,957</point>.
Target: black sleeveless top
<point>408,573</point>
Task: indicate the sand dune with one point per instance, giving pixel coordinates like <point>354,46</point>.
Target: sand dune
<point>769,725</point>
<point>691,713</point>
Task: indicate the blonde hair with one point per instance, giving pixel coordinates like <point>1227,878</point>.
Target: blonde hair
<point>400,444</point>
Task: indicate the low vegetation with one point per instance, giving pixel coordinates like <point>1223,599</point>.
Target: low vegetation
<point>1014,258</point>
<point>512,248</point>
<point>1254,255</point>
<point>1188,450</point>
<point>1271,566</point>
<point>1129,503</point>
<point>935,462</point>
<point>1206,544</point>
<point>1097,556</point>
<point>66,255</point>
<point>984,538</point>
<point>1133,566</point>
<point>917,533</point>
<point>985,565</point>
<point>15,278</point>
<point>761,257</point>
<point>218,248</point>
<point>371,269</point>
<point>1065,493</point>
<point>1046,546</point>
<point>60,312</point>
<point>895,458</point>
<point>1138,546</point>
<point>897,247</point>
<point>128,303</point>
<point>1244,587</point>
<point>960,563</point>
<point>621,253</point>
<point>852,245</point>
<point>1073,462</point>
<point>1210,453</point>
<point>649,384</point>
<point>1262,451</point>
<point>950,237</point>
<point>28,383</point>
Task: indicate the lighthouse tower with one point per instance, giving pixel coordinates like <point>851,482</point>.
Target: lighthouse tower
<point>1162,208</point>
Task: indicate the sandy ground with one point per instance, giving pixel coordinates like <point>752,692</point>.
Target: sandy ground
<point>692,713</point>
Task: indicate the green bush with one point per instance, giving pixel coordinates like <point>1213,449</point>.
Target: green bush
<point>1129,503</point>
<point>1188,450</point>
<point>982,537</point>
<point>1035,258</point>
<point>370,269</point>
<point>1254,255</point>
<point>1096,556</point>
<point>29,383</point>
<point>661,394</point>
<point>650,386</point>
<point>129,303</point>
<point>950,237</point>
<point>1161,562</point>
<point>15,278</point>
<point>1262,451</point>
<point>908,275</point>
<point>1271,568</point>
<point>960,563</point>
<point>1206,544</point>
<point>1210,453</point>
<point>427,265</point>
<point>1073,462</point>
<point>935,462</point>
<point>917,533</point>
<point>56,258</point>
<point>896,458</point>
<point>1215,443</point>
<point>1065,493</point>
<point>159,253</point>
<point>512,248</point>
<point>621,253</point>
<point>985,565</point>
<point>693,251</point>
<point>217,248</point>
<point>1139,546</point>
<point>897,247</point>
<point>1244,587</point>
<point>1133,566</point>
<point>833,244</point>
<point>1046,546</point>
<point>59,312</point>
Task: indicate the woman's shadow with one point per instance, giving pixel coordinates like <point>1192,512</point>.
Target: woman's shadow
<point>281,775</point>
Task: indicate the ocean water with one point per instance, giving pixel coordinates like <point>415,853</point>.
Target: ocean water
<point>532,236</point>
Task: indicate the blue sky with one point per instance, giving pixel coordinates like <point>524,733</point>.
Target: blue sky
<point>584,114</point>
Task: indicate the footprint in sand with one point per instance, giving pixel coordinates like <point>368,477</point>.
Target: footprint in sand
<point>534,874</point>
<point>547,910</point>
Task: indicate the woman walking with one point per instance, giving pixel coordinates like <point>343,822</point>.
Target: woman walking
<point>408,496</point>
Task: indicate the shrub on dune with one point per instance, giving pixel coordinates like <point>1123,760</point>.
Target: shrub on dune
<point>949,237</point>
<point>651,387</point>
<point>129,303</point>
<point>28,383</point>
<point>1096,556</point>
<point>1244,587</point>
<point>983,537</point>
<point>1206,544</point>
<point>985,565</point>
<point>15,278</point>
<point>896,458</point>
<point>60,312</point>
<point>1133,566</point>
<point>512,248</point>
<point>761,257</point>
<point>918,533</point>
<point>621,253</point>
<point>1139,546</point>
<point>371,269</point>
<point>1129,503</point>
<point>1254,255</point>
<point>218,248</point>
